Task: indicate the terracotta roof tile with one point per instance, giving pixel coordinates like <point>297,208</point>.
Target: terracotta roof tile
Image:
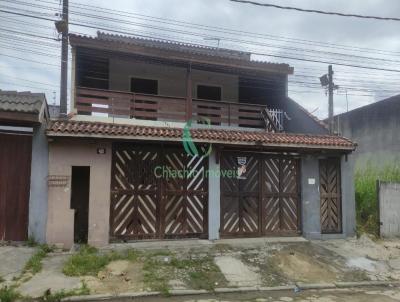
<point>222,136</point>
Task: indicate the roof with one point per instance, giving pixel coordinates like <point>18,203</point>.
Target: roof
<point>382,103</point>
<point>176,51</point>
<point>27,102</point>
<point>26,106</point>
<point>70,128</point>
<point>175,45</point>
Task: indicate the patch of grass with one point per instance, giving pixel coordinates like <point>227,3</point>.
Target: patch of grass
<point>58,296</point>
<point>31,242</point>
<point>156,275</point>
<point>201,273</point>
<point>8,294</point>
<point>2,279</point>
<point>34,264</point>
<point>366,195</point>
<point>88,261</point>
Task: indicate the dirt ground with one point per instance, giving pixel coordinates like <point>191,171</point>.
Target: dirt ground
<point>117,277</point>
<point>274,263</point>
<point>240,263</point>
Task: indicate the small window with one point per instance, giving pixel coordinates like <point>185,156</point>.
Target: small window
<point>205,92</point>
<point>144,86</point>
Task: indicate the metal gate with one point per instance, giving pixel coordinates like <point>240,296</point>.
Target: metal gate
<point>15,167</point>
<point>263,198</point>
<point>330,190</point>
<point>157,192</point>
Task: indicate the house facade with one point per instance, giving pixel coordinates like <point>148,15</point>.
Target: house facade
<point>167,140</point>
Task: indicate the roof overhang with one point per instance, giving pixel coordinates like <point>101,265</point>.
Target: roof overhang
<point>260,139</point>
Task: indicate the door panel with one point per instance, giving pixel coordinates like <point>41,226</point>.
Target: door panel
<point>331,201</point>
<point>15,168</point>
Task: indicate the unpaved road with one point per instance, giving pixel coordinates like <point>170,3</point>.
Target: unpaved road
<point>345,295</point>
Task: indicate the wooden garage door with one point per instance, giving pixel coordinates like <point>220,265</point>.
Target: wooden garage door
<point>145,206</point>
<point>330,190</point>
<point>264,200</point>
<point>15,167</point>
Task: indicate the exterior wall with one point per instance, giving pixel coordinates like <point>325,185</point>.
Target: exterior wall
<point>310,195</point>
<point>38,193</point>
<point>214,197</point>
<point>171,80</point>
<point>376,129</point>
<point>389,209</point>
<point>348,196</point>
<point>63,154</point>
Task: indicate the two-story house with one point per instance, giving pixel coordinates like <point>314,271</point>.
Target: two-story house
<point>169,140</point>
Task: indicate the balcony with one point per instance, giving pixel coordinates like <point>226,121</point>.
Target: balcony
<point>90,101</point>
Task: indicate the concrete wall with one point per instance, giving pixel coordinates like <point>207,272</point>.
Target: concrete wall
<point>63,154</point>
<point>38,191</point>
<point>214,195</point>
<point>171,80</point>
<point>310,195</point>
<point>376,129</point>
<point>389,209</point>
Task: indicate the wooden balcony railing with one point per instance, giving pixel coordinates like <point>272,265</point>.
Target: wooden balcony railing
<point>167,108</point>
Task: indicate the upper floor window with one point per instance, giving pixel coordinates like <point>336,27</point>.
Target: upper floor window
<point>145,86</point>
<point>206,92</point>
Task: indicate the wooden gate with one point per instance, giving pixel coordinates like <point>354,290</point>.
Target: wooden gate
<point>281,196</point>
<point>157,192</point>
<point>264,200</point>
<point>330,190</point>
<point>15,167</point>
<point>240,207</point>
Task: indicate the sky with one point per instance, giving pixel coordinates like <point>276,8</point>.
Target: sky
<point>29,58</point>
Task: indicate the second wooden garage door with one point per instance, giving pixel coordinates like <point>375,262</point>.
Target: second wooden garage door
<point>263,199</point>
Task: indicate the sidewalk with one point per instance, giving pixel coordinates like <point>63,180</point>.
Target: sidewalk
<point>199,266</point>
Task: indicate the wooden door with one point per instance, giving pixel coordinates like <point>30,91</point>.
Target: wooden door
<point>281,196</point>
<point>15,168</point>
<point>265,200</point>
<point>330,190</point>
<point>240,195</point>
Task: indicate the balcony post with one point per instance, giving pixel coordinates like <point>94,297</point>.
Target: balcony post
<point>189,102</point>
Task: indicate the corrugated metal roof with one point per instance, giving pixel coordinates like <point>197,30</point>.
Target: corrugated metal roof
<point>221,136</point>
<point>25,102</point>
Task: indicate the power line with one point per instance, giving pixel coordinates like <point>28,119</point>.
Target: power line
<point>317,11</point>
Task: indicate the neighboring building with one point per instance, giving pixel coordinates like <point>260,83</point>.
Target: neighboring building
<point>23,165</point>
<point>115,165</point>
<point>376,129</point>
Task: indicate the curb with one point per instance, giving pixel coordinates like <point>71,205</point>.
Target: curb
<point>190,292</point>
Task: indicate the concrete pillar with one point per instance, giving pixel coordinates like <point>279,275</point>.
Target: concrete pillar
<point>310,197</point>
<point>348,196</point>
<point>38,190</point>
<point>214,195</point>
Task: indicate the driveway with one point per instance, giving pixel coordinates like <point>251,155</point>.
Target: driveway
<point>13,260</point>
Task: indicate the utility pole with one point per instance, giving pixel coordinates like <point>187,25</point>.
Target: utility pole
<point>330,91</point>
<point>62,27</point>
